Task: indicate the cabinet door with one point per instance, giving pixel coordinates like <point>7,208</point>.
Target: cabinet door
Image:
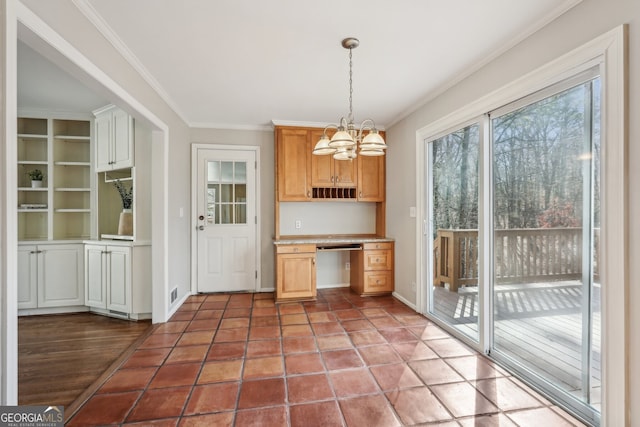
<point>27,277</point>
<point>345,172</point>
<point>327,172</point>
<point>119,279</point>
<point>60,282</point>
<point>95,276</point>
<point>293,168</point>
<point>371,178</point>
<point>104,133</point>
<point>322,171</point>
<point>296,276</point>
<point>122,140</point>
<point>322,174</point>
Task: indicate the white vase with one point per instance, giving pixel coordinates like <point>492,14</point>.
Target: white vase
<point>125,224</point>
<point>36,184</point>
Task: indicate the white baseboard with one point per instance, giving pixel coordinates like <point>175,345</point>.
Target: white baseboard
<point>177,304</point>
<point>405,301</point>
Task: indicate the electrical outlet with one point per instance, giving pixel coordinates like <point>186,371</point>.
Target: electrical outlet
<point>298,224</point>
<point>347,266</point>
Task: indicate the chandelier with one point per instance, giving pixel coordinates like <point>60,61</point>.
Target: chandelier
<point>349,138</point>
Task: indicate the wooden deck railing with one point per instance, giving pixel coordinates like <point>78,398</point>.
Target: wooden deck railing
<point>521,256</point>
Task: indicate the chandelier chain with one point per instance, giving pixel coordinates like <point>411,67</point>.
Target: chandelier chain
<point>350,85</point>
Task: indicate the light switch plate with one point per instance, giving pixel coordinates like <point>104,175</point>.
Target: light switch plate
<point>412,211</point>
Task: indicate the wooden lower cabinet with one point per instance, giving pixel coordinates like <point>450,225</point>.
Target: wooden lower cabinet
<point>295,272</point>
<point>372,269</point>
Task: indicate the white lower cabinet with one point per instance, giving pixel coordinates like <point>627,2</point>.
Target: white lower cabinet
<point>117,278</point>
<point>50,276</point>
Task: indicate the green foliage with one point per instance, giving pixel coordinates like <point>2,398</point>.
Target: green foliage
<point>35,175</point>
<point>125,194</point>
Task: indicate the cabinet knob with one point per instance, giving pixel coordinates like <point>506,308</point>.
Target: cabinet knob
<point>332,179</point>
<point>360,194</point>
<point>337,178</point>
<point>308,194</point>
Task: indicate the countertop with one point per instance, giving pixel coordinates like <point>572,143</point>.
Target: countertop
<point>329,240</point>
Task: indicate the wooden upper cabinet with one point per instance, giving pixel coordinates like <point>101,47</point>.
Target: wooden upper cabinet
<point>327,172</point>
<point>293,167</point>
<point>298,171</point>
<point>371,179</point>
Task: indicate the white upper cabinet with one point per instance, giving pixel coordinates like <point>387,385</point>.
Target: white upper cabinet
<point>114,130</point>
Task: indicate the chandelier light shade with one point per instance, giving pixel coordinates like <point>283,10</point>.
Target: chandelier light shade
<point>349,140</point>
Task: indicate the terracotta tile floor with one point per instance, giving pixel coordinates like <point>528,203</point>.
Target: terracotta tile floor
<point>344,360</point>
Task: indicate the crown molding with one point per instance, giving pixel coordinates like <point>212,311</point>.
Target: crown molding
<point>87,9</point>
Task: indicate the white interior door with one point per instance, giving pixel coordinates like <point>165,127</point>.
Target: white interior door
<point>226,220</point>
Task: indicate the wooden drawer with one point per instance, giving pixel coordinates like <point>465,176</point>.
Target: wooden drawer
<point>377,246</point>
<point>295,249</point>
<point>378,282</point>
<point>378,260</point>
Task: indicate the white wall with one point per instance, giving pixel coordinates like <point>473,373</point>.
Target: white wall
<point>585,22</point>
<point>327,218</point>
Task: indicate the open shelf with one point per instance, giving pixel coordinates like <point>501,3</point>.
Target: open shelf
<point>62,150</point>
<point>33,162</point>
<point>83,164</point>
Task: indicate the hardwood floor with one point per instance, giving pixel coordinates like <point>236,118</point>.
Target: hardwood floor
<point>60,356</point>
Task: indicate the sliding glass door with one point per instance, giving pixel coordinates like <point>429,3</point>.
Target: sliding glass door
<point>453,235</point>
<point>546,204</point>
<point>512,237</point>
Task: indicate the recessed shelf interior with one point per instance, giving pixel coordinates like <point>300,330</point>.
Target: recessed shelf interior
<point>61,149</point>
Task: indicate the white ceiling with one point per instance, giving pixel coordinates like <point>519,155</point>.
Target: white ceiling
<point>244,63</point>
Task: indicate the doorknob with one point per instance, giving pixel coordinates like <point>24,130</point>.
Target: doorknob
<point>201,227</point>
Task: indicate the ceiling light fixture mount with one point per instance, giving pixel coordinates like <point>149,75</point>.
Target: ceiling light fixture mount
<point>348,137</point>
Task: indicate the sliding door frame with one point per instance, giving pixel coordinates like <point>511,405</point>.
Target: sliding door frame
<point>609,52</point>
<point>509,360</point>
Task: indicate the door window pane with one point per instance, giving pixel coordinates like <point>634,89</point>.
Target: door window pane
<point>226,192</point>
